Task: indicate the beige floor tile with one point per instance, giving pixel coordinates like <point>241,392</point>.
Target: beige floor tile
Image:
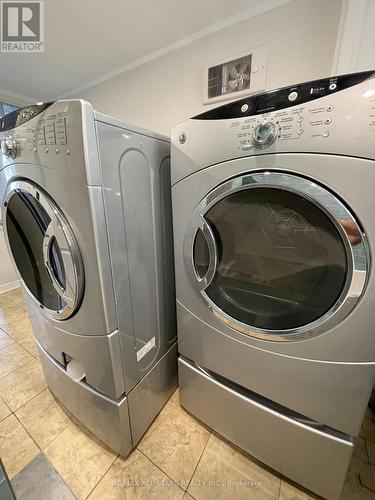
<point>223,472</point>
<point>290,492</point>
<point>10,312</point>
<point>18,329</point>
<point>371,452</point>
<point>30,345</point>
<point>13,357</point>
<point>136,478</point>
<point>369,413</point>
<point>175,442</point>
<point>5,340</point>
<point>20,386</point>
<point>174,400</point>
<point>43,418</point>
<point>4,410</point>
<point>16,296</point>
<point>360,450</point>
<point>17,448</point>
<point>80,459</point>
<point>352,488</point>
<point>368,430</point>
<point>5,300</point>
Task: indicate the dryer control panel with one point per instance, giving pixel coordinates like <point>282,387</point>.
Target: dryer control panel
<point>334,116</point>
<point>286,97</point>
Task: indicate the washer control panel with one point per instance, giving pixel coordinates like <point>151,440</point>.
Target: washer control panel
<point>35,128</point>
<point>8,146</point>
<point>51,135</point>
<point>42,129</point>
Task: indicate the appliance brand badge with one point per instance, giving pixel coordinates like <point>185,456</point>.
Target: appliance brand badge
<point>22,26</point>
<point>316,90</point>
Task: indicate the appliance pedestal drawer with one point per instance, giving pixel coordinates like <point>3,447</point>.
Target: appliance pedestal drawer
<point>312,455</point>
<point>106,419</point>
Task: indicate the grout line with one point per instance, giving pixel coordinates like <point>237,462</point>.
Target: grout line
<point>36,395</point>
<point>161,470</point>
<point>18,367</point>
<point>13,412</point>
<point>10,345</point>
<point>18,343</point>
<point>58,435</point>
<point>279,493</point>
<point>10,338</point>
<point>100,480</point>
<point>196,467</point>
<point>59,475</point>
<point>2,399</point>
<point>27,432</point>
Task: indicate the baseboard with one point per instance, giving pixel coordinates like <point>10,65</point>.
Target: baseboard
<point>9,286</point>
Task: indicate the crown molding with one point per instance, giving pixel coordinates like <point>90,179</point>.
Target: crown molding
<point>213,28</point>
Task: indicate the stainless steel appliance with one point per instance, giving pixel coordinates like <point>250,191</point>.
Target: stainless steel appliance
<point>273,233</point>
<point>87,220</point>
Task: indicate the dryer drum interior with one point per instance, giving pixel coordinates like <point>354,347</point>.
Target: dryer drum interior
<point>283,261</point>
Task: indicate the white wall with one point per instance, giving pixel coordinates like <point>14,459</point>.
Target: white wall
<point>301,36</point>
<point>8,277</point>
<point>356,37</point>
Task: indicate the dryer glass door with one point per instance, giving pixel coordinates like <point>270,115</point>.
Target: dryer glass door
<point>281,262</point>
<point>43,249</point>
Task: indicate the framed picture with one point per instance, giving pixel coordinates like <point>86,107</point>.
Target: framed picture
<point>236,77</point>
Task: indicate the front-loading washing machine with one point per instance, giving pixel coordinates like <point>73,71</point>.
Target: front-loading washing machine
<point>88,224</point>
<point>274,228</point>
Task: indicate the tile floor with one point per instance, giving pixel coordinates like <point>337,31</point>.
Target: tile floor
<point>48,455</point>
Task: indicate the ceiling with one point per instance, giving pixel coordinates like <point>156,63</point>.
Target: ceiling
<point>88,40</point>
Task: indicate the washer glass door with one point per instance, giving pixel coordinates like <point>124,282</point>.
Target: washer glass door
<point>272,259</point>
<point>44,250</point>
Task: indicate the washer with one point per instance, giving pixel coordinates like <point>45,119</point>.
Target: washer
<point>273,234</point>
<point>87,219</point>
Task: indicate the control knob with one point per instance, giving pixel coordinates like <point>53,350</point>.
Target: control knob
<point>9,147</point>
<point>264,135</point>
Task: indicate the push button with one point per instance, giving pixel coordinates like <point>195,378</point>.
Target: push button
<point>293,96</point>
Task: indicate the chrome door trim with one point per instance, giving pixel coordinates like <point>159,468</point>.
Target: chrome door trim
<point>202,282</point>
<point>60,230</point>
<point>335,210</point>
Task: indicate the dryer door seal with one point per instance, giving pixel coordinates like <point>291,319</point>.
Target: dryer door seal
<point>44,250</point>
<point>284,259</point>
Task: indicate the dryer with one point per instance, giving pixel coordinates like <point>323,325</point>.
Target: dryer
<point>273,233</point>
<point>87,219</point>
